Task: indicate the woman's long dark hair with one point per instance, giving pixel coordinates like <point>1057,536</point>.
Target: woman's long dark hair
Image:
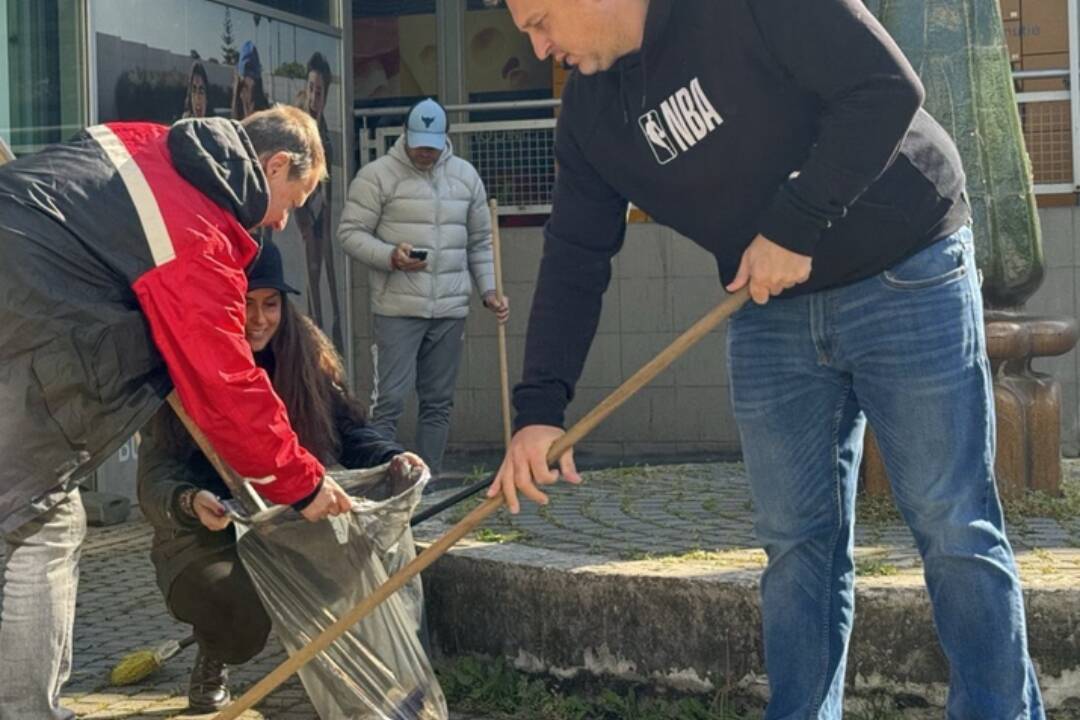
<point>258,98</point>
<point>308,376</point>
<point>310,379</point>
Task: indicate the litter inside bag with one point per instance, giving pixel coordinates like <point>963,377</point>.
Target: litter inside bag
<point>310,574</point>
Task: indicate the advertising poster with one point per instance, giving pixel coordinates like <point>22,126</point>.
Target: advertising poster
<point>192,58</point>
<point>196,58</point>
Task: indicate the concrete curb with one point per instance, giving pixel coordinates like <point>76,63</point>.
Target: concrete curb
<point>696,627</point>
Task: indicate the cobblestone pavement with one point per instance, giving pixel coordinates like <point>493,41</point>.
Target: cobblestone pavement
<point>700,513</point>
<point>687,513</point>
<point>120,609</point>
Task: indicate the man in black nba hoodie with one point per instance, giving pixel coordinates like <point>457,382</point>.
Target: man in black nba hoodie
<point>787,138</point>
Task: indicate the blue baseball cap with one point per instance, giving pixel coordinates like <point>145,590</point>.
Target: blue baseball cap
<point>426,125</point>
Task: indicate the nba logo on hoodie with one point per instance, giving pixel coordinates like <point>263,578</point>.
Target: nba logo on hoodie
<point>682,121</point>
<point>662,146</point>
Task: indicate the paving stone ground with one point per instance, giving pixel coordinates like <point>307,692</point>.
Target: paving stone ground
<point>120,609</point>
<point>701,513</point>
<point>693,513</point>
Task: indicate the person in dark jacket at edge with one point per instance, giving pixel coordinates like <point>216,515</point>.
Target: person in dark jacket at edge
<point>788,138</point>
<point>122,259</point>
<point>180,492</point>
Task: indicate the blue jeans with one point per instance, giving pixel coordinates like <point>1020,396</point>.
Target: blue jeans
<point>905,350</point>
<point>39,575</point>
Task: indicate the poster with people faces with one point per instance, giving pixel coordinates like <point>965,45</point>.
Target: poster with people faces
<point>395,55</point>
<point>196,58</point>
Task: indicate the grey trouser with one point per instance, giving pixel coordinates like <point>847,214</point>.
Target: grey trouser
<point>422,353</point>
<point>39,575</point>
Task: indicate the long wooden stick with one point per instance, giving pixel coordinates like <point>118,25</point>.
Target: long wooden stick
<point>582,428</point>
<point>504,365</point>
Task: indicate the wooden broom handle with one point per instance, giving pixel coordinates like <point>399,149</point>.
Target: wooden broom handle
<point>647,373</point>
<point>232,479</point>
<point>504,365</point>
<point>422,561</point>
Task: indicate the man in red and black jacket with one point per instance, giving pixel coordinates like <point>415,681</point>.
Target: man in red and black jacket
<point>122,259</point>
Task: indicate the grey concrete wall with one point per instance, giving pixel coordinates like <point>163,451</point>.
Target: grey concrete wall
<point>1058,296</point>
<point>661,284</point>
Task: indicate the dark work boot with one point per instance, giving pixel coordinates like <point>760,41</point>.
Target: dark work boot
<point>209,689</point>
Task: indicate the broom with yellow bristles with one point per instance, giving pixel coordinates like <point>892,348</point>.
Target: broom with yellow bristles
<point>142,663</point>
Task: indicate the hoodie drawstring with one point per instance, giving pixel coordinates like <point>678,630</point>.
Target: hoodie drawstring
<point>644,80</point>
<point>622,95</point>
<point>623,99</point>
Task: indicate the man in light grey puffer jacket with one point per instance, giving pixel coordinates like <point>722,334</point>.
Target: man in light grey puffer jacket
<point>418,218</point>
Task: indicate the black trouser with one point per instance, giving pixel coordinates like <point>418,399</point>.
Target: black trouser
<point>215,595</point>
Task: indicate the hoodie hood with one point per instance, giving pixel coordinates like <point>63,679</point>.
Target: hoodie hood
<point>656,22</point>
<point>398,153</point>
<point>217,157</point>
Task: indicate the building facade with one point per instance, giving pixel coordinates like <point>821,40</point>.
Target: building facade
<point>72,63</point>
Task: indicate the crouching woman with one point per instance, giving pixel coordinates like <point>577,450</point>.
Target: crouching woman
<point>197,566</point>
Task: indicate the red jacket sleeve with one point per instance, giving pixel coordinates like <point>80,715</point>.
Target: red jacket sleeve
<point>195,305</point>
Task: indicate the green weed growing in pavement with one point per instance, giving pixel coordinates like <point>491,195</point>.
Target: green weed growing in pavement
<point>626,474</point>
<point>874,567</point>
<point>874,513</point>
<point>494,688</point>
<point>878,510</point>
<point>478,473</point>
<point>1036,503</point>
<point>487,535</point>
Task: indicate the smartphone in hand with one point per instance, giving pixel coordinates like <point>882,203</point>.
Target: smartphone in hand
<point>418,254</point>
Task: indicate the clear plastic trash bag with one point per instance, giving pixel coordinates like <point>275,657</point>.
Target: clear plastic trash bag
<point>310,574</point>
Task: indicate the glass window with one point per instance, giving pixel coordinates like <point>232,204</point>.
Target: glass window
<point>395,52</point>
<point>41,83</point>
<point>195,58</point>
<point>145,60</point>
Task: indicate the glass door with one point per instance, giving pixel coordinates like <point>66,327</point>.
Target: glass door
<point>42,98</point>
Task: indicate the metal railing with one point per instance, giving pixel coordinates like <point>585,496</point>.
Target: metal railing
<point>515,158</point>
<point>1047,119</point>
<point>1050,115</point>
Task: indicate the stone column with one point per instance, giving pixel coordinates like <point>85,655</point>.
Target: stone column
<point>958,49</point>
